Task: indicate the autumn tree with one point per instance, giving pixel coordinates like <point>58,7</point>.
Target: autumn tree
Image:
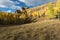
<point>58,8</point>
<point>50,11</point>
<point>58,5</point>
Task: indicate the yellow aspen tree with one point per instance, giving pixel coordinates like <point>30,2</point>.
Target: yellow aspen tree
<point>51,13</point>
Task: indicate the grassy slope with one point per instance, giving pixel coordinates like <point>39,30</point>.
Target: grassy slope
<point>44,30</point>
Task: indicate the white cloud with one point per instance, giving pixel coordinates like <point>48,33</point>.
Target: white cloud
<point>15,7</point>
<point>35,2</point>
<point>23,0</point>
<point>9,11</point>
<point>8,4</point>
<point>2,6</point>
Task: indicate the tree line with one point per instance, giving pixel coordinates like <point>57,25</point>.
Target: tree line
<point>19,17</point>
<point>22,17</point>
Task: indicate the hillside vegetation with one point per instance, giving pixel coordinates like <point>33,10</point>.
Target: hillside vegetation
<point>44,24</point>
<point>28,15</point>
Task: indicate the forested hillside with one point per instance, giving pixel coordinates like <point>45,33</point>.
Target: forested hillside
<point>27,15</point>
<point>38,23</point>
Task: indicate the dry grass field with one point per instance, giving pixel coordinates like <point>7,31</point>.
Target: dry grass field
<point>44,30</point>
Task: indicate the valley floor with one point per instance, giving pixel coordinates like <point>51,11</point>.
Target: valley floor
<point>34,31</point>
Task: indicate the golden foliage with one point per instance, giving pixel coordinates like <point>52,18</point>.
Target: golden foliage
<point>49,10</point>
<point>23,16</point>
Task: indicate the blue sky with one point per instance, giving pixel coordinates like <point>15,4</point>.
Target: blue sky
<point>13,5</point>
